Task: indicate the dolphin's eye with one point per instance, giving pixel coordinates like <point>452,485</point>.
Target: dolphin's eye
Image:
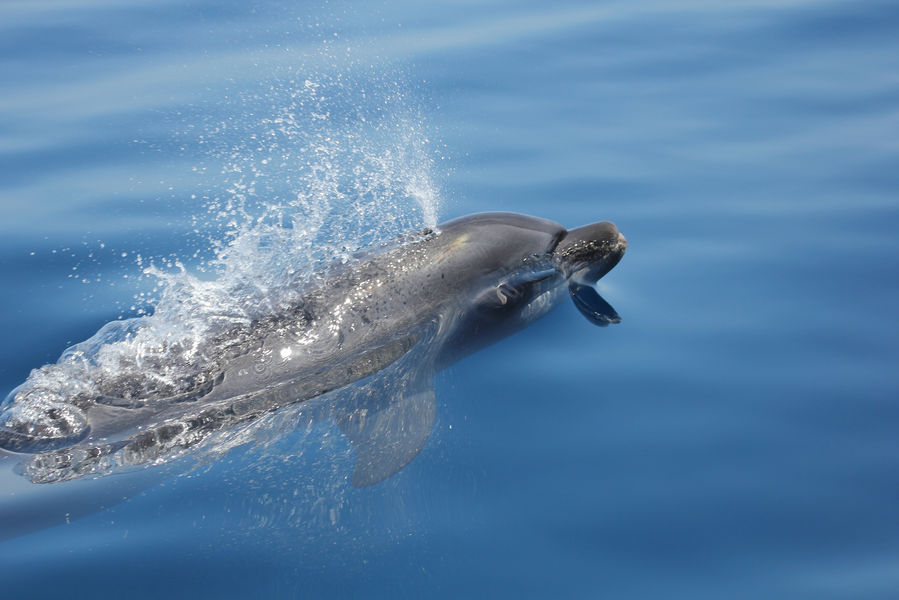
<point>503,297</point>
<point>506,293</point>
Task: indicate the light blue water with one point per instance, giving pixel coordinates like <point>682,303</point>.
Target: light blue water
<point>734,436</point>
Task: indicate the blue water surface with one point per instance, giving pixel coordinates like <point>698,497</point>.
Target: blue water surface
<point>734,437</point>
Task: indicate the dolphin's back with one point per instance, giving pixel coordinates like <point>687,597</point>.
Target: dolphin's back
<point>506,230</point>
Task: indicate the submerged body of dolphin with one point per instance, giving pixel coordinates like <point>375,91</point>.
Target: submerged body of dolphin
<point>414,307</point>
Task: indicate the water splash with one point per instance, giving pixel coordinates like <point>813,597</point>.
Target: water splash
<point>301,174</point>
<point>320,170</point>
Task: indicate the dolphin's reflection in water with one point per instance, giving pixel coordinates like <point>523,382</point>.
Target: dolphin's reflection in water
<point>387,322</point>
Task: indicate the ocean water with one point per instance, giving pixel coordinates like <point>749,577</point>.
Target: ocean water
<point>734,436</point>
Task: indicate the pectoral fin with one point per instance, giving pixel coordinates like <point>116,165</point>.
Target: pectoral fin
<point>386,438</point>
<point>592,305</point>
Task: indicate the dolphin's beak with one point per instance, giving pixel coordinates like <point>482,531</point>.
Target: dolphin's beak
<point>587,254</point>
<point>595,270</point>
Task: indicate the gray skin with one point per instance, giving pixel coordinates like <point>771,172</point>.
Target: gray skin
<point>407,310</point>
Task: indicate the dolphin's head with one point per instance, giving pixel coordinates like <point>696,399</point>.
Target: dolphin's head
<point>587,253</point>
<point>517,267</point>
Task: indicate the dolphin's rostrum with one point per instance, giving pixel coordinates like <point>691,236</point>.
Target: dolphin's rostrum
<point>408,309</point>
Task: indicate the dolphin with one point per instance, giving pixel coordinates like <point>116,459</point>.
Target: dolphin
<point>390,320</point>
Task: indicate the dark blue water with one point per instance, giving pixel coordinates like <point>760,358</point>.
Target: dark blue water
<point>734,436</point>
